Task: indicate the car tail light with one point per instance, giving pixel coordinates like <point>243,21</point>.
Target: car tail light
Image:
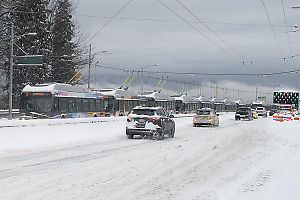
<point>154,118</point>
<point>129,118</point>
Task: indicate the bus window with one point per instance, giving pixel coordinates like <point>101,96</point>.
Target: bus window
<point>92,105</point>
<point>71,105</point>
<point>79,105</point>
<point>85,105</point>
<point>99,105</point>
<point>40,104</point>
<point>63,105</point>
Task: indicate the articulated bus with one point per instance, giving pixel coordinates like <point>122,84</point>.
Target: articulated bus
<point>60,101</point>
<point>57,100</point>
<point>156,99</point>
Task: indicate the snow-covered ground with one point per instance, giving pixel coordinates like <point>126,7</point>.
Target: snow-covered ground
<point>42,159</point>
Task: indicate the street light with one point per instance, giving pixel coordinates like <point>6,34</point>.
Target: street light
<point>89,63</point>
<point>12,67</point>
<point>142,70</point>
<point>295,7</point>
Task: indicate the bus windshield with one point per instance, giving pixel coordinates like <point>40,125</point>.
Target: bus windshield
<point>39,104</point>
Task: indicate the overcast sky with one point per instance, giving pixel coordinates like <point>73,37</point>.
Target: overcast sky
<point>236,37</point>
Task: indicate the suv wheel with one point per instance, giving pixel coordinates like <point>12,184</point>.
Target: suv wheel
<point>171,134</point>
<point>161,135</point>
<point>130,136</point>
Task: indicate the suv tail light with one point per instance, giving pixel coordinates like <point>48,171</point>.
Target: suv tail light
<point>155,118</point>
<point>129,118</point>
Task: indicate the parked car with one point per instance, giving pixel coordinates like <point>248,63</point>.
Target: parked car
<point>254,114</point>
<point>244,113</point>
<point>149,122</point>
<point>206,116</point>
<point>261,111</point>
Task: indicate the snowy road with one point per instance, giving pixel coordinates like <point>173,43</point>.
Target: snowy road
<point>238,160</point>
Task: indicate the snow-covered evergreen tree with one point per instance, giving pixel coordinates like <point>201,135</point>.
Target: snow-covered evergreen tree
<point>27,16</point>
<point>65,48</point>
<point>56,39</point>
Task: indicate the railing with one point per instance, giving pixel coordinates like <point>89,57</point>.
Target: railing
<point>4,113</point>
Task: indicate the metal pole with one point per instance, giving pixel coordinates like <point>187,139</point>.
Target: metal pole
<point>11,72</point>
<point>89,76</point>
<point>256,94</point>
<point>142,88</point>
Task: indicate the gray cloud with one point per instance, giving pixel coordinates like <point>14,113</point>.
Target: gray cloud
<point>177,47</point>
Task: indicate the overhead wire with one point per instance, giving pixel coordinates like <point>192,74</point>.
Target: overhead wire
<point>272,28</point>
<point>162,20</point>
<point>193,27</point>
<point>205,74</point>
<point>285,22</point>
<point>210,29</point>
<point>205,85</point>
<point>208,74</point>
<point>111,19</point>
<point>227,74</point>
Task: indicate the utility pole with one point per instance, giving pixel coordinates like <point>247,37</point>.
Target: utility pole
<point>256,94</point>
<point>142,84</point>
<point>89,62</point>
<point>142,72</point>
<point>11,72</point>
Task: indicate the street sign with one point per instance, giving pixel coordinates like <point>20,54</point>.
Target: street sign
<point>32,60</point>
<point>262,98</point>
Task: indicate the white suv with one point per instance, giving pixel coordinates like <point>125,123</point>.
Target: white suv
<point>261,111</point>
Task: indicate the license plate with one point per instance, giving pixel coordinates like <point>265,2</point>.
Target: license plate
<point>140,125</point>
<point>141,120</point>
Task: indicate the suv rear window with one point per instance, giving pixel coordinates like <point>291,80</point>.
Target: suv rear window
<point>203,112</point>
<point>243,109</point>
<point>259,108</point>
<point>143,112</point>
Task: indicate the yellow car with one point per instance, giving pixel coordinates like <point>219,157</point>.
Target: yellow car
<point>206,116</point>
<point>254,114</point>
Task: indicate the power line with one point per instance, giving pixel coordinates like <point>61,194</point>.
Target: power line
<point>271,26</point>
<point>293,56</point>
<point>163,20</point>
<point>206,85</point>
<point>111,19</point>
<point>229,74</point>
<point>193,27</point>
<point>180,21</point>
<point>205,74</point>
<point>197,84</point>
<point>173,80</point>
<point>209,29</point>
<point>285,22</point>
